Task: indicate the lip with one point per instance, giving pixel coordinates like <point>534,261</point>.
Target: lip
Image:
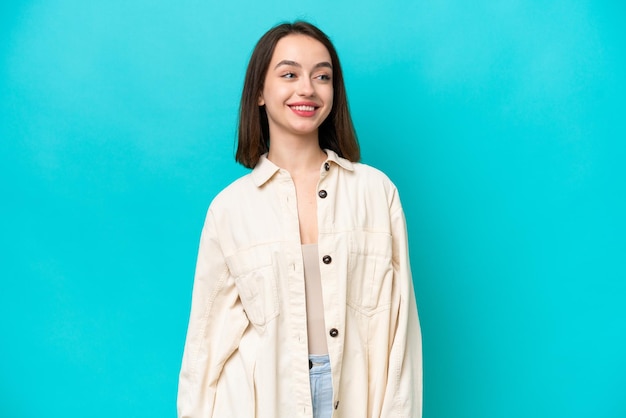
<point>305,109</point>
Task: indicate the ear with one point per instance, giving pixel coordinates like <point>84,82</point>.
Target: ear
<point>261,101</point>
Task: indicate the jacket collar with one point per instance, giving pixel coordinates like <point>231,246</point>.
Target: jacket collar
<point>265,169</point>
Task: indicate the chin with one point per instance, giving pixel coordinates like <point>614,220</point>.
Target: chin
<point>305,130</point>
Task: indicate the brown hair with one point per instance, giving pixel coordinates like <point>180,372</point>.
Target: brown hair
<point>335,133</point>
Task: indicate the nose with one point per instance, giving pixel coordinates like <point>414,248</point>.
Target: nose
<point>305,87</point>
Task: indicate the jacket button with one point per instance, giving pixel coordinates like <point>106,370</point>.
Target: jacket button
<point>333,332</point>
<point>327,259</point>
<point>322,194</point>
<point>326,166</point>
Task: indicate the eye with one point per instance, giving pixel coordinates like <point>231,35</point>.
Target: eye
<point>324,77</point>
<point>288,75</point>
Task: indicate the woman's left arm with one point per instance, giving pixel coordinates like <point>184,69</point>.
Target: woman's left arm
<point>403,395</point>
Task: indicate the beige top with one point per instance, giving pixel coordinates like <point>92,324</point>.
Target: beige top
<point>316,328</point>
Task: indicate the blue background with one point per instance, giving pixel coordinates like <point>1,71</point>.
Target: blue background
<point>502,122</point>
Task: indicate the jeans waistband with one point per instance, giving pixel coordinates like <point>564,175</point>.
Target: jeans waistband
<point>319,364</point>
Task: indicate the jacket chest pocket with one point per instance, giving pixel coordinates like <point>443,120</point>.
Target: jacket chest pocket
<point>255,279</point>
<point>370,272</point>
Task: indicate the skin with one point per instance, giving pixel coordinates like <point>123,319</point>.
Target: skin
<point>298,97</point>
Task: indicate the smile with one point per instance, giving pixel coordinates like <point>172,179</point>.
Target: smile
<point>303,108</point>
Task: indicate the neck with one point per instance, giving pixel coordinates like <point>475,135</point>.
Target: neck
<point>296,155</point>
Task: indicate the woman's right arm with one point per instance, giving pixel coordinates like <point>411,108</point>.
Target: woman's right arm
<point>216,324</point>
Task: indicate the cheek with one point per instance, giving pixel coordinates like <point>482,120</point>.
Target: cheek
<point>329,98</point>
<point>276,93</point>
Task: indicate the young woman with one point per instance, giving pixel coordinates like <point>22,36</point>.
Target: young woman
<point>303,303</point>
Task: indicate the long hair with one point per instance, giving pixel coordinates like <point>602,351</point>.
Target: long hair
<point>335,133</point>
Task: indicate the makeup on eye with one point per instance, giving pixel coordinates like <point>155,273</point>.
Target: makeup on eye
<point>297,67</point>
<point>292,75</point>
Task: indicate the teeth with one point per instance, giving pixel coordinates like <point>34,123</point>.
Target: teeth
<point>304,108</point>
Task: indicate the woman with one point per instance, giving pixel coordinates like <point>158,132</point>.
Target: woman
<point>305,258</point>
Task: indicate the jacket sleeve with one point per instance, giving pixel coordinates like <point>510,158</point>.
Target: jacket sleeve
<point>216,324</point>
<point>403,394</point>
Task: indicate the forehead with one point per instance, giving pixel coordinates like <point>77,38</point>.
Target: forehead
<point>301,49</point>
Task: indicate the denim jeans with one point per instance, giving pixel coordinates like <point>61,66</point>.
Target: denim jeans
<point>321,386</point>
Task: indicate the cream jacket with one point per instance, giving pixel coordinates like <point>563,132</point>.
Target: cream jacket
<point>246,351</point>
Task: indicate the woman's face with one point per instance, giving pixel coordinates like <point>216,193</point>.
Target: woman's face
<point>298,89</point>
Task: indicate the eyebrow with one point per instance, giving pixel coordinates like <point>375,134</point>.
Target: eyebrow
<point>322,64</point>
